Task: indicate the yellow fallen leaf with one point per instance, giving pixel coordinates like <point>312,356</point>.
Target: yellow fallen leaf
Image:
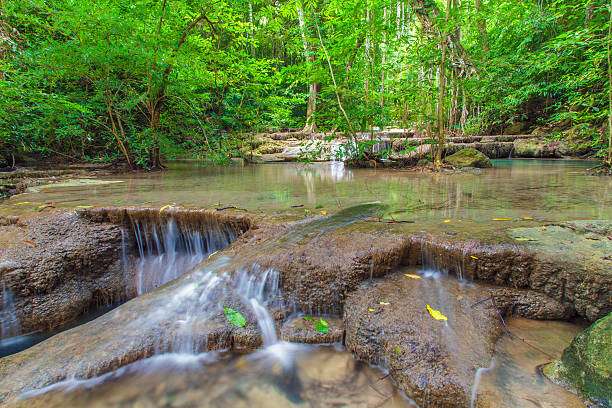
<point>502,219</point>
<point>527,218</point>
<point>473,257</point>
<point>543,228</point>
<point>164,207</point>
<point>371,310</point>
<point>324,212</point>
<point>412,276</point>
<point>384,303</point>
<point>459,297</point>
<point>436,314</point>
<point>447,220</point>
<point>23,202</point>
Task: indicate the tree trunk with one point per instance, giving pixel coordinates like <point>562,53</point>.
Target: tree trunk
<point>427,12</point>
<point>482,27</point>
<point>609,155</point>
<point>311,107</point>
<point>438,160</point>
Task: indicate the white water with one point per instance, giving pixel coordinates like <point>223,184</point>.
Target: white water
<point>477,378</point>
<point>166,252</point>
<point>9,322</point>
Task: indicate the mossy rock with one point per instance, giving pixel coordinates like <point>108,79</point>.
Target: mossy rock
<point>516,128</point>
<point>469,158</point>
<point>586,365</point>
<point>528,147</point>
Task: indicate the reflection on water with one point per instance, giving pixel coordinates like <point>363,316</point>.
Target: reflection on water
<point>514,381</point>
<point>321,377</point>
<point>514,188</point>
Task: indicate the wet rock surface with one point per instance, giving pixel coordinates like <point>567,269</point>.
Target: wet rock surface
<point>298,330</point>
<point>58,266</point>
<point>586,365</point>
<point>321,265</point>
<point>469,158</point>
<point>434,362</point>
<point>61,265</point>
<point>573,263</point>
<point>181,317</point>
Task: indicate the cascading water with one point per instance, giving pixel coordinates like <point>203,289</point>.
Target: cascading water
<point>9,322</point>
<point>167,251</point>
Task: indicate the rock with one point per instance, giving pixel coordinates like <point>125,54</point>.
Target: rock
<point>579,139</point>
<point>571,264</point>
<point>516,128</point>
<point>586,365</point>
<point>528,148</point>
<point>433,362</point>
<point>469,158</point>
<point>299,330</point>
<point>291,153</point>
<point>75,263</point>
<point>529,304</point>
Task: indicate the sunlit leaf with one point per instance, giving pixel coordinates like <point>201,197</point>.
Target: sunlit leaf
<point>501,219</point>
<point>371,310</point>
<point>410,275</point>
<point>234,317</point>
<point>447,220</point>
<point>436,314</point>
<point>84,206</point>
<point>473,257</point>
<point>384,303</point>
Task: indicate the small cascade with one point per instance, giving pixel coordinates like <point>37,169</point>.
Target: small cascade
<point>9,322</point>
<point>167,251</point>
<point>261,290</point>
<point>203,301</point>
<point>477,378</point>
<point>510,154</point>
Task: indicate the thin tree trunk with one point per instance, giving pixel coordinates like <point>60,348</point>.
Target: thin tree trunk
<point>438,160</point>
<point>331,72</point>
<point>311,107</point>
<point>609,155</point>
<point>109,109</point>
<point>251,29</point>
<point>482,27</point>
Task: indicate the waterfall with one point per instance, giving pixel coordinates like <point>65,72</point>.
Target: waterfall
<point>167,251</point>
<point>260,289</point>
<point>9,322</point>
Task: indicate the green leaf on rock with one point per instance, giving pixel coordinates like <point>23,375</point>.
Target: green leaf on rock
<point>321,328</point>
<point>234,317</point>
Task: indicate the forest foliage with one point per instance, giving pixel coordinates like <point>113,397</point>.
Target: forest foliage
<point>107,80</point>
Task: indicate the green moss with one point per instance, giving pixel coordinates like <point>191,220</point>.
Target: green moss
<point>586,365</point>
<point>469,158</point>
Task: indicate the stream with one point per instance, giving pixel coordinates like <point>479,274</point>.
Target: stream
<point>183,278</point>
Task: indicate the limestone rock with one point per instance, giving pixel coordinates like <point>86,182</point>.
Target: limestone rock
<point>586,365</point>
<point>469,158</point>
<point>434,362</point>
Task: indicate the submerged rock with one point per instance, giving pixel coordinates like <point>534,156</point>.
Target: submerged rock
<point>586,365</point>
<point>432,361</point>
<point>469,158</point>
